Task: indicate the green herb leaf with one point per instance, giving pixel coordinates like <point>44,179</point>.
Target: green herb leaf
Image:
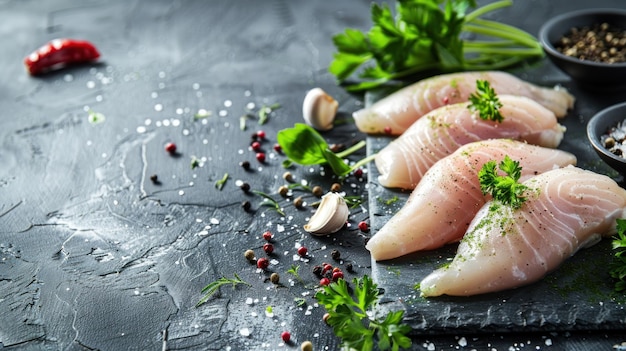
<point>214,287</point>
<point>95,117</point>
<point>486,102</point>
<point>304,145</point>
<point>269,201</point>
<point>618,266</point>
<point>428,35</point>
<point>505,189</point>
<point>195,162</point>
<point>353,320</point>
<point>220,183</point>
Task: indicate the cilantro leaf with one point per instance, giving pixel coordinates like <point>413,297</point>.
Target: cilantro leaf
<point>486,102</point>
<point>505,189</point>
<point>352,318</point>
<point>618,266</point>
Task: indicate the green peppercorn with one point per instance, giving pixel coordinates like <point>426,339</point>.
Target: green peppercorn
<point>298,202</point>
<point>283,190</point>
<point>306,346</point>
<point>317,191</point>
<point>275,278</point>
<point>249,255</point>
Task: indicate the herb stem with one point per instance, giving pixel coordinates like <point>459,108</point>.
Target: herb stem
<point>363,161</point>
<point>486,9</point>
<point>354,148</point>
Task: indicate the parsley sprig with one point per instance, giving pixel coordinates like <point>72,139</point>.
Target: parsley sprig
<point>352,318</point>
<point>423,36</point>
<point>486,102</point>
<point>618,266</point>
<point>304,145</point>
<point>506,189</point>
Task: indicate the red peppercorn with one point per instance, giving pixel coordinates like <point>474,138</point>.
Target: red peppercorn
<point>446,100</point>
<point>278,148</point>
<point>263,263</point>
<point>388,130</point>
<point>256,146</point>
<point>260,156</point>
<point>170,147</point>
<point>286,336</point>
<point>268,248</point>
<point>326,268</point>
<point>363,226</point>
<point>267,235</point>
<point>260,134</point>
<point>358,173</point>
<point>337,275</point>
<point>324,281</point>
<point>302,251</point>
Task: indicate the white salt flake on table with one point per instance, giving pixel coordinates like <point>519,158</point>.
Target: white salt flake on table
<point>215,221</point>
<point>244,331</point>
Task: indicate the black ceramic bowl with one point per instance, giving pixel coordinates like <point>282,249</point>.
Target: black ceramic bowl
<point>598,125</point>
<point>584,71</point>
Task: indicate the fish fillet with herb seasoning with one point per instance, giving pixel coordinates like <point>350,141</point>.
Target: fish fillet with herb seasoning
<point>565,210</point>
<point>395,113</point>
<point>439,133</point>
<point>441,207</point>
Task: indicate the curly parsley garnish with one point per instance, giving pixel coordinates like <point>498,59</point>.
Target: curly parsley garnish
<point>506,189</point>
<point>486,102</point>
<point>618,266</point>
<point>353,321</point>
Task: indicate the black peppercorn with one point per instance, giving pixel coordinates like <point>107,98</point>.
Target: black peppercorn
<point>245,165</point>
<point>246,205</point>
<point>245,187</point>
<point>317,270</point>
<point>335,254</point>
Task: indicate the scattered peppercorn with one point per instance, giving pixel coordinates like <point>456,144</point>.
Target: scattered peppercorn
<point>283,190</point>
<point>256,146</point>
<point>249,255</point>
<point>275,278</point>
<point>306,346</point>
<point>278,148</point>
<point>298,202</point>
<point>268,248</point>
<point>358,172</point>
<point>245,165</point>
<point>286,336</point>
<point>246,205</point>
<point>600,42</point>
<point>335,254</point>
<point>349,268</point>
<point>317,270</point>
<point>364,227</point>
<point>170,147</point>
<point>317,191</point>
<point>337,275</point>
<point>388,128</point>
<point>335,188</point>
<point>263,263</point>
<point>245,187</point>
<point>336,147</point>
<point>326,268</point>
<point>260,156</point>
<point>267,235</point>
<point>324,281</point>
<point>302,251</point>
<point>260,134</point>
<point>154,178</point>
<point>288,176</point>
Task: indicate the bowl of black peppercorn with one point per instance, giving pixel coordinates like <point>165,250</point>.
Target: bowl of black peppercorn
<point>588,45</point>
<point>606,131</point>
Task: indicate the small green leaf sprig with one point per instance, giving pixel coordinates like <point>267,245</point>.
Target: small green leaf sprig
<point>504,188</point>
<point>486,102</point>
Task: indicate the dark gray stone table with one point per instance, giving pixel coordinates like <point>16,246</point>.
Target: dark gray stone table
<point>94,255</point>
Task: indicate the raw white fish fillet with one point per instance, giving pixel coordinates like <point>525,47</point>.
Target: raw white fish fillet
<point>445,201</point>
<point>439,133</point>
<point>400,109</point>
<point>568,209</point>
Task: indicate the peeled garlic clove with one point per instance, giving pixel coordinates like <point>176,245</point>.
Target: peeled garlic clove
<point>319,109</point>
<point>331,215</point>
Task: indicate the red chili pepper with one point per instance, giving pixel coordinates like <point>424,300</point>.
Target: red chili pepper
<point>60,52</point>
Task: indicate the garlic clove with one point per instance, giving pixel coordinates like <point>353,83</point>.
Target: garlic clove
<point>331,215</point>
<point>319,109</point>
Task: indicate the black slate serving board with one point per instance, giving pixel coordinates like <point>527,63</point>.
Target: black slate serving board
<point>577,296</point>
